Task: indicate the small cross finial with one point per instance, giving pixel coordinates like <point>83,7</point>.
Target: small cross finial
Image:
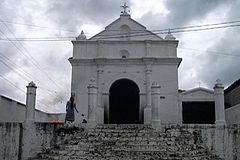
<point>218,81</point>
<point>169,31</point>
<point>199,84</point>
<point>124,7</point>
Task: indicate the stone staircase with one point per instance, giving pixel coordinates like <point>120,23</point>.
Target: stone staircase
<point>128,142</point>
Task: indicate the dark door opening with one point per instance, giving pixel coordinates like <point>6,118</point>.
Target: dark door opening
<point>198,112</point>
<point>124,102</point>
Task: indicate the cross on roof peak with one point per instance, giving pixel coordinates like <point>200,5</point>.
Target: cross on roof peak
<point>124,7</point>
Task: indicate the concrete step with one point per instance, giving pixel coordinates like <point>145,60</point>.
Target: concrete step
<point>128,142</point>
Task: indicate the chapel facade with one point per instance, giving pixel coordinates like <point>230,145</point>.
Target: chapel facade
<point>124,63</point>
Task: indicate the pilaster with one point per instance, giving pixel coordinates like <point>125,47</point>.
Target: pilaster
<point>29,125</point>
<point>219,103</point>
<point>99,83</point>
<point>155,94</point>
<point>92,102</point>
<point>30,102</point>
<point>148,72</point>
<point>99,48</point>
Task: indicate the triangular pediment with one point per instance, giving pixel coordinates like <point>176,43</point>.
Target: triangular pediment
<point>198,92</point>
<point>125,28</point>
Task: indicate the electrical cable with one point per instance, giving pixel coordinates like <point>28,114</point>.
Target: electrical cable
<point>37,26</point>
<point>127,35</point>
<point>34,62</point>
<point>12,84</point>
<point>14,64</point>
<point>12,69</point>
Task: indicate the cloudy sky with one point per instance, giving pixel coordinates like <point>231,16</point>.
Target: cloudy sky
<point>207,55</point>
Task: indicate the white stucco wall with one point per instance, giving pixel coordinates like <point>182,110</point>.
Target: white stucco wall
<point>10,139</point>
<point>166,76</point>
<point>13,111</point>
<point>232,115</point>
<point>163,73</point>
<point>101,59</point>
<point>112,49</point>
<point>221,140</point>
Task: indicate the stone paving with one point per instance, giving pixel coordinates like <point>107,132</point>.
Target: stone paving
<point>128,142</point>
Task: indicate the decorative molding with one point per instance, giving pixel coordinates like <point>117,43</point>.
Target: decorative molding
<point>160,42</point>
<point>129,61</point>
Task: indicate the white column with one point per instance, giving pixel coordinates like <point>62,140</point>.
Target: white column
<point>219,103</point>
<point>156,122</point>
<point>148,84</point>
<point>147,109</point>
<point>29,126</point>
<point>92,102</point>
<point>30,102</point>
<point>99,83</point>
<point>99,48</point>
<point>100,108</point>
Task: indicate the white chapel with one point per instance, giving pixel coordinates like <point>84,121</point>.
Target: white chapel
<point>118,73</point>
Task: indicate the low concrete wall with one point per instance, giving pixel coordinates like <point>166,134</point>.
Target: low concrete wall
<point>14,135</point>
<point>10,141</point>
<point>38,137</point>
<point>42,117</point>
<point>221,140</point>
<point>13,111</point>
<point>232,115</point>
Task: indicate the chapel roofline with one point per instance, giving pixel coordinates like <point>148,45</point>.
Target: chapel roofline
<point>123,15</point>
<point>129,18</point>
<point>197,89</point>
<point>125,19</point>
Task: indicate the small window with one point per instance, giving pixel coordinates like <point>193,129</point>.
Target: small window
<point>124,53</point>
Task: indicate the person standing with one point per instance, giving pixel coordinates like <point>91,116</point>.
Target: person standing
<point>70,106</point>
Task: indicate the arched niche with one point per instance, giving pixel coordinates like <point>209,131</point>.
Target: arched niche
<point>124,53</point>
<point>125,30</point>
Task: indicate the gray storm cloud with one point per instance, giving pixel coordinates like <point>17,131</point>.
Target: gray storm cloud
<point>207,66</point>
<point>181,13</point>
<point>81,12</point>
<point>224,64</point>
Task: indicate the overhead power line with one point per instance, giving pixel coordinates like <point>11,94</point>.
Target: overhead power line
<point>174,30</point>
<point>211,52</point>
<point>21,90</point>
<point>12,69</point>
<point>74,31</point>
<point>13,64</point>
<point>110,36</point>
<point>38,26</point>
<point>27,55</point>
<point>164,31</point>
<point>160,33</point>
<point>12,84</point>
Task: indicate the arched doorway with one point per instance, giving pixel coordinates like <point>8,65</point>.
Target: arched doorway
<point>124,102</point>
